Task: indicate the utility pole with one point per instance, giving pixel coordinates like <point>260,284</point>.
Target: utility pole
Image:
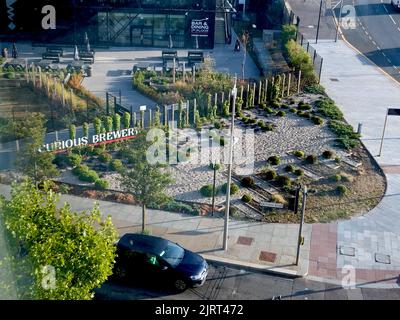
<point>228,186</point>
<point>339,21</point>
<point>319,21</point>
<point>301,239</point>
<point>214,166</point>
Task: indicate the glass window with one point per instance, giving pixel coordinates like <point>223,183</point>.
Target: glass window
<point>173,254</point>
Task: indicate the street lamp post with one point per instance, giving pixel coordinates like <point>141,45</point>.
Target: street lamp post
<point>301,239</point>
<point>319,21</point>
<point>339,21</point>
<point>228,186</point>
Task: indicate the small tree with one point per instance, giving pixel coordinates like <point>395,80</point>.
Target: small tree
<point>157,118</point>
<point>197,120</point>
<point>85,128</point>
<point>109,124</point>
<point>72,131</point>
<point>78,247</point>
<point>117,122</point>
<point>180,115</point>
<point>209,107</point>
<point>225,109</point>
<point>126,119</point>
<point>145,181</point>
<point>97,125</point>
<point>239,103</point>
<point>32,159</point>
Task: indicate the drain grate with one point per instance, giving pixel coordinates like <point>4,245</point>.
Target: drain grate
<point>267,256</point>
<point>246,241</point>
<point>382,258</point>
<point>347,251</point>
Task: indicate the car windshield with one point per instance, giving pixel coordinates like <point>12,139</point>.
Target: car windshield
<point>173,254</point>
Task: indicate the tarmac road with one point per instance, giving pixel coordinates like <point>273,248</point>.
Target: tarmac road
<point>225,283</point>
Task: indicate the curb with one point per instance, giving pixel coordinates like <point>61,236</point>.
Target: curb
<point>277,271</point>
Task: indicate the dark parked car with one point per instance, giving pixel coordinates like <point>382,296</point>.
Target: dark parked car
<point>154,258</point>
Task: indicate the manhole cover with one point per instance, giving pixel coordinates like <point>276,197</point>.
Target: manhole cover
<point>334,79</point>
<point>382,258</point>
<point>247,241</point>
<point>347,251</point>
<point>267,256</point>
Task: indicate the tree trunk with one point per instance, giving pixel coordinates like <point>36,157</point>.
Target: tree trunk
<point>143,218</point>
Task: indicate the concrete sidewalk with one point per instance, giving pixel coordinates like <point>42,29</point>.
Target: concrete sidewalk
<point>371,243</point>
<point>275,244</point>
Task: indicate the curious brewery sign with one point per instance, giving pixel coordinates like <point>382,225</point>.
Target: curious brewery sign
<point>97,139</point>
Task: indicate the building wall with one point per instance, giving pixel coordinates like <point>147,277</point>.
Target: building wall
<point>110,22</point>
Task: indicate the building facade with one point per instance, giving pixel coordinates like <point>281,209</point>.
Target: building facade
<point>143,23</point>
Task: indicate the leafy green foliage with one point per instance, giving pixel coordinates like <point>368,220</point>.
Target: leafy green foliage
<point>101,184</point>
<point>31,161</point>
<point>207,191</point>
<point>327,108</point>
<point>116,165</point>
<point>300,60</point>
<point>117,122</point>
<point>234,188</point>
<point>126,120</point>
<point>274,160</point>
<point>80,247</point>
<point>347,138</point>
<point>247,198</point>
<point>269,174</point>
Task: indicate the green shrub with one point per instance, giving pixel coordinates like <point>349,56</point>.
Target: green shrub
<point>74,159</point>
<point>304,106</point>
<point>283,181</point>
<point>275,104</point>
<point>267,127</point>
<point>289,168</point>
<point>284,106</point>
<point>216,166</point>
<point>261,123</point>
<point>88,176</point>
<point>342,190</point>
<point>274,160</point>
<point>105,157</point>
<point>101,184</point>
<point>317,120</point>
<point>312,159</point>
<point>116,165</point>
<point>247,182</point>
<point>306,115</point>
<point>299,172</point>
<point>269,175</point>
<point>234,188</point>
<point>281,113</point>
<point>81,168</point>
<point>328,154</point>
<point>247,198</point>
<point>174,206</point>
<point>278,198</point>
<point>207,191</point>
<point>301,60</point>
<point>347,138</point>
<point>315,89</point>
<point>293,110</point>
<point>269,110</point>
<point>299,154</point>
<point>98,150</point>
<point>217,125</point>
<point>327,108</point>
<point>335,178</point>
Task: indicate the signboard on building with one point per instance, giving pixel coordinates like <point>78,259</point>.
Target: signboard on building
<point>200,27</point>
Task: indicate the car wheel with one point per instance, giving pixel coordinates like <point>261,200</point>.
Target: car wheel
<point>180,285</point>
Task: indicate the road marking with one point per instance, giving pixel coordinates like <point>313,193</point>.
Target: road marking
<point>374,42</point>
<point>378,48</point>
<point>384,54</point>
<point>385,8</point>
<point>398,28</point>
<point>390,16</point>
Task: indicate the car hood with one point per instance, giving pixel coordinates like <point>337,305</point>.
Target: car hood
<point>191,264</point>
